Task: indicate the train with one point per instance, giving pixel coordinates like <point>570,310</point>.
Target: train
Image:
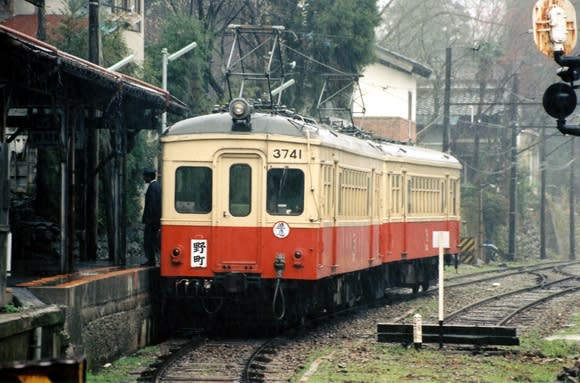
<point>275,215</point>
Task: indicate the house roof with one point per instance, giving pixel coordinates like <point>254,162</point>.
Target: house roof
<point>397,61</point>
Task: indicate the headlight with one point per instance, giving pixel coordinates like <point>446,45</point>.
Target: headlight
<point>239,109</point>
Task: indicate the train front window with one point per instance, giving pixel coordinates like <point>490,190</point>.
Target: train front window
<point>193,186</point>
<point>285,194</point>
<point>240,190</point>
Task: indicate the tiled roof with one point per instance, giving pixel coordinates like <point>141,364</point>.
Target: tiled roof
<point>400,62</point>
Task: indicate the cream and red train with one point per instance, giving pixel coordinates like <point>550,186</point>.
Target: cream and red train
<point>268,212</point>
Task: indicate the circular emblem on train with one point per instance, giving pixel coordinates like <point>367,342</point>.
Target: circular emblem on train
<point>281,229</point>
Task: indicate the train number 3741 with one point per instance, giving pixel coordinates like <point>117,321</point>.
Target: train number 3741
<point>295,154</point>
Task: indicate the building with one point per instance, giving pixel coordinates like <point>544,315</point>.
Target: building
<point>389,92</point>
<point>23,16</point>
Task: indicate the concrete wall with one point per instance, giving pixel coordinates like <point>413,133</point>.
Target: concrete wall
<point>106,314</point>
<point>34,333</point>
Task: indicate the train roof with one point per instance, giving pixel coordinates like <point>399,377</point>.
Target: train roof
<point>296,126</point>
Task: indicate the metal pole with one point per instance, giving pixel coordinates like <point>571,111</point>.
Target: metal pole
<point>441,267</point>
<point>118,65</point>
<point>164,56</point>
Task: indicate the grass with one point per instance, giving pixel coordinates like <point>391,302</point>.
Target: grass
<point>126,369</point>
<point>536,360</point>
<point>10,308</point>
<point>574,326</point>
<point>377,363</point>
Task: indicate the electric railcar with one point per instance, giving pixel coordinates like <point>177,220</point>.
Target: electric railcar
<point>273,213</point>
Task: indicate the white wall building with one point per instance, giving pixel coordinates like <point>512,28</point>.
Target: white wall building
<point>389,92</point>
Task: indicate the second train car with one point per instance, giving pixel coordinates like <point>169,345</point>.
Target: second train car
<point>271,213</point>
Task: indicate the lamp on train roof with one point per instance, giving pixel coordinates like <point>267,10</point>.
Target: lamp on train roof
<point>240,111</point>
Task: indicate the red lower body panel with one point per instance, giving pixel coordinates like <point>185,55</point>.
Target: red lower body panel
<point>308,253</point>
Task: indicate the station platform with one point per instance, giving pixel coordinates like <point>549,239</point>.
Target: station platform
<point>97,313</point>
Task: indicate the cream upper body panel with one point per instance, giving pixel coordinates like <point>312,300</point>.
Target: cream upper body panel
<point>324,155</point>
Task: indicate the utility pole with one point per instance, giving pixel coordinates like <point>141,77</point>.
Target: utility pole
<point>447,100</point>
<point>572,204</point>
<point>95,54</point>
<point>514,170</point>
<point>40,16</point>
<point>543,194</point>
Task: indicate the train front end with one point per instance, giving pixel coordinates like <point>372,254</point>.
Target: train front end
<point>234,223</point>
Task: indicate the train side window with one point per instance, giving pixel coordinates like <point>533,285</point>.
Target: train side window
<point>193,186</point>
<point>240,199</point>
<point>285,194</point>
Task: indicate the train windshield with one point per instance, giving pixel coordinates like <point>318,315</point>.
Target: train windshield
<point>193,189</point>
<point>285,191</point>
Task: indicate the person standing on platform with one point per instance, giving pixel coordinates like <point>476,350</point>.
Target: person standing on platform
<point>151,216</point>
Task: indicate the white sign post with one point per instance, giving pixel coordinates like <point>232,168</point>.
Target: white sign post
<point>441,241</point>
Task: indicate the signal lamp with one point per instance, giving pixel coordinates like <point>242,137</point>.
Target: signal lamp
<point>559,100</point>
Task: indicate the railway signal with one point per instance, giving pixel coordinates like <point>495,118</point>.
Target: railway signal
<point>554,30</point>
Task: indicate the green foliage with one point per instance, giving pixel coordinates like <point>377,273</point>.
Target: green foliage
<point>186,75</point>
<point>71,35</point>
<point>10,308</point>
<point>341,32</point>
<point>334,35</point>
<point>339,37</point>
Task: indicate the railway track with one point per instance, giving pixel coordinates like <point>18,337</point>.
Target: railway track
<point>240,361</point>
<point>272,360</point>
<point>209,361</point>
<point>490,275</point>
<point>513,307</point>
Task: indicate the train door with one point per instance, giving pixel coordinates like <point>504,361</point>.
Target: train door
<point>239,206</point>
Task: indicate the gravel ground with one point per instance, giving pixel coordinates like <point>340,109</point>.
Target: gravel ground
<point>346,350</point>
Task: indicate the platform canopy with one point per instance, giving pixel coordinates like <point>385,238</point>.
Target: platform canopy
<point>37,75</point>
